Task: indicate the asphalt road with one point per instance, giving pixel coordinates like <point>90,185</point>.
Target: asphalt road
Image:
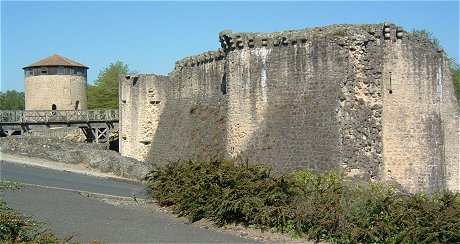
<point>64,179</point>
<point>50,196</point>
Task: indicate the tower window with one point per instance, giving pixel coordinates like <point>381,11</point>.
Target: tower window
<point>68,71</point>
<point>36,71</point>
<point>60,70</point>
<point>29,72</point>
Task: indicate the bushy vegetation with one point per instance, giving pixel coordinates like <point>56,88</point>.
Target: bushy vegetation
<point>455,68</point>
<point>319,206</point>
<point>104,93</point>
<point>11,100</point>
<point>16,228</point>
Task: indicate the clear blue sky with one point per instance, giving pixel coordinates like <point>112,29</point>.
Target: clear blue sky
<point>151,36</point>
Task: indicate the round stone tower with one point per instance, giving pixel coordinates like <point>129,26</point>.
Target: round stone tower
<point>55,83</point>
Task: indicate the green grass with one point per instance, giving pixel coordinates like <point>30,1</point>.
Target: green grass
<point>319,206</point>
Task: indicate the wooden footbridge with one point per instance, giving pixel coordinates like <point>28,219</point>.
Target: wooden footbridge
<point>97,125</point>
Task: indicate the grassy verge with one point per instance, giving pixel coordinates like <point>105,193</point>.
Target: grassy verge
<point>16,228</point>
<point>319,206</point>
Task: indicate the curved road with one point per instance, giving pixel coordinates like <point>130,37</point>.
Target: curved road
<point>52,196</point>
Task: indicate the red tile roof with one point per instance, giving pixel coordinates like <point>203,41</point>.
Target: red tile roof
<point>55,60</point>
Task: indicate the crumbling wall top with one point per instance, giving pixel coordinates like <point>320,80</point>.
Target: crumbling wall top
<point>342,34</point>
<point>233,40</point>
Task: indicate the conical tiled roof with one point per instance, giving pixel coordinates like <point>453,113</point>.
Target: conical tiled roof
<point>56,60</point>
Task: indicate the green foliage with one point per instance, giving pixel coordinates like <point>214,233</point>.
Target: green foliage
<point>455,69</point>
<point>11,100</point>
<point>104,93</point>
<point>15,228</point>
<point>319,206</point>
<point>9,186</point>
<point>219,190</point>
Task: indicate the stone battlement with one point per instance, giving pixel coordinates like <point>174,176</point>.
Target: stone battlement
<point>230,40</point>
<point>237,40</point>
<point>199,59</point>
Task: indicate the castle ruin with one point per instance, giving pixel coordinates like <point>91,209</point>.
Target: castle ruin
<point>372,100</point>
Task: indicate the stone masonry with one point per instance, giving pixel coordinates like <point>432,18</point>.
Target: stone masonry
<point>371,100</point>
<point>62,90</point>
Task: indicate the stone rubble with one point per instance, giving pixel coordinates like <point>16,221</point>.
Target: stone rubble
<point>96,156</point>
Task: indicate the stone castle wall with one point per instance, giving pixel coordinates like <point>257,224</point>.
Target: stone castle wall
<point>141,97</point>
<point>315,98</point>
<point>420,143</point>
<point>159,114</point>
<point>63,90</point>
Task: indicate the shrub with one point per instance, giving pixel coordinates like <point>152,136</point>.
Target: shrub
<point>15,228</point>
<point>221,191</point>
<point>320,206</point>
<point>316,203</point>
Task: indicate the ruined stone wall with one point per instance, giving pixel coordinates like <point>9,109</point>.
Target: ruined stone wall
<point>68,133</point>
<point>162,117</point>
<point>315,98</point>
<point>191,124</point>
<point>62,90</point>
<point>420,145</point>
<point>273,100</point>
<point>283,98</point>
<point>453,167</point>
<point>142,100</point>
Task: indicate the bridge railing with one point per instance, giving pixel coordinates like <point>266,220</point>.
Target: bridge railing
<point>62,116</point>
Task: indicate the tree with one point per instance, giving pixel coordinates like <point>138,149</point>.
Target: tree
<point>11,100</point>
<point>455,68</point>
<point>104,93</point>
